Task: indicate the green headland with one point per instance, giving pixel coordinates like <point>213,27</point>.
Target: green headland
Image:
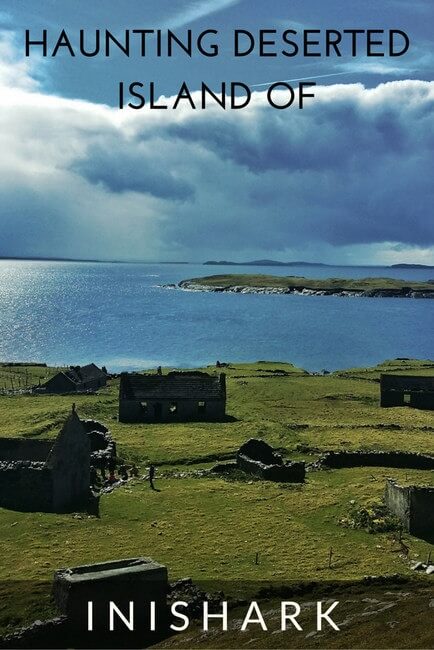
<point>365,287</point>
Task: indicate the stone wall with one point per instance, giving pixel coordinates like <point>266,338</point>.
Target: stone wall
<point>258,458</point>
<point>399,459</point>
<point>51,633</point>
<point>413,505</point>
<point>397,499</point>
<point>160,410</point>
<point>12,449</point>
<point>25,486</point>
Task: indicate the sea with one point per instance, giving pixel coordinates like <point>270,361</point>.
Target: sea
<point>120,315</point>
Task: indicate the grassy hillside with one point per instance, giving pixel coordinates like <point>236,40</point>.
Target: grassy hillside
<point>17,376</point>
<point>211,527</point>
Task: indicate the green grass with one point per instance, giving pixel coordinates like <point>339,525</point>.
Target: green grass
<point>207,527</point>
<point>285,282</point>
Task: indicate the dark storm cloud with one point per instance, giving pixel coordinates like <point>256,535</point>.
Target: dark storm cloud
<point>353,168</point>
<point>121,170</point>
<point>316,138</point>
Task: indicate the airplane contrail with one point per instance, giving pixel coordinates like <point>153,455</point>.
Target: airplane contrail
<point>320,76</point>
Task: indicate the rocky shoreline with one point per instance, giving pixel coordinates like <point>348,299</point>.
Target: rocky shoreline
<point>405,292</point>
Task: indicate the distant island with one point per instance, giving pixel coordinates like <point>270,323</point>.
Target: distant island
<point>303,263</point>
<point>271,284</point>
<point>262,263</point>
<point>411,266</point>
<point>80,260</point>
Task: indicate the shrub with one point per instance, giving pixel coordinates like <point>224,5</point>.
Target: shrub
<point>374,518</point>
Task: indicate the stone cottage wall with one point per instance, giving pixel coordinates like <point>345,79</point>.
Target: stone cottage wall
<point>187,411</point>
<point>413,505</point>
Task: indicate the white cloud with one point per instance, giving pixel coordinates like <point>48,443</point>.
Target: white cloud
<point>350,174</point>
<point>14,72</point>
<point>198,9</point>
<point>378,68</point>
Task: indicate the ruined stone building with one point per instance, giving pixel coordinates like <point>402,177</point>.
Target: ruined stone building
<point>258,458</point>
<point>77,379</point>
<point>46,475</point>
<point>175,397</point>
<point>401,390</point>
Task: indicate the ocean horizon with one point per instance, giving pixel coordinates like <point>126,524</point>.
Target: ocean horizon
<point>120,315</point>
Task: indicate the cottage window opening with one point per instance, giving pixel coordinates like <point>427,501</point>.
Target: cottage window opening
<point>201,407</point>
<point>144,406</point>
<point>173,408</point>
<point>407,398</point>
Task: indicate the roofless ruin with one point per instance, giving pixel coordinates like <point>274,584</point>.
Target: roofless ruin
<point>175,397</point>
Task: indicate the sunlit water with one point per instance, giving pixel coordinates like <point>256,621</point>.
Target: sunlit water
<point>118,315</point>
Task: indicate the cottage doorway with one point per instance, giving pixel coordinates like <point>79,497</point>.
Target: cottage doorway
<point>158,411</point>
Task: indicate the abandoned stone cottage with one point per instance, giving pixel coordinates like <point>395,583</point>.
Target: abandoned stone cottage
<point>77,379</point>
<point>46,475</point>
<point>175,397</point>
<point>402,390</point>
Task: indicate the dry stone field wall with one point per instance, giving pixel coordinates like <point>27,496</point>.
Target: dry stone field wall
<point>397,459</point>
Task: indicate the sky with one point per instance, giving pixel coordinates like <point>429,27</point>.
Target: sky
<point>348,179</point>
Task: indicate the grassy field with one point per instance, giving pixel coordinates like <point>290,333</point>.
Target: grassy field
<point>285,282</point>
<point>17,376</point>
<point>210,528</point>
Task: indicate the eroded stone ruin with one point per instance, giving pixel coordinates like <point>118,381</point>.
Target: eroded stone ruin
<point>53,475</point>
<point>102,445</point>
<point>259,458</point>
